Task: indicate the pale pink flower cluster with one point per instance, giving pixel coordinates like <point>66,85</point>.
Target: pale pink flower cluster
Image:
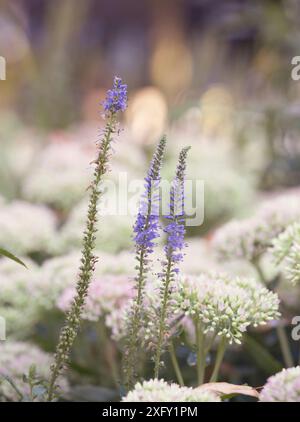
<point>59,273</point>
<point>150,314</point>
<point>111,297</point>
<point>156,390</point>
<point>249,238</point>
<point>106,295</point>
<point>116,321</point>
<point>282,387</point>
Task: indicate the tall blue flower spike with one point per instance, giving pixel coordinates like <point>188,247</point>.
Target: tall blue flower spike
<point>175,230</point>
<point>116,100</point>
<point>146,230</point>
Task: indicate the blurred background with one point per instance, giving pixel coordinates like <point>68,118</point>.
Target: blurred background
<point>65,55</point>
<point>219,71</point>
<point>210,73</point>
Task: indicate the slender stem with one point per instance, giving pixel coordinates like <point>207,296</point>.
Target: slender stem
<point>54,375</point>
<point>106,344</point>
<point>13,385</point>
<point>129,367</point>
<point>281,334</point>
<point>259,271</point>
<point>219,358</point>
<point>200,345</point>
<point>162,318</point>
<point>136,319</point>
<point>175,364</point>
<point>284,346</point>
<point>210,343</point>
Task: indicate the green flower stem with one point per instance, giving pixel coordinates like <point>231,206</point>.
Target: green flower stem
<point>70,329</point>
<point>259,270</point>
<point>162,318</point>
<point>107,346</point>
<point>284,346</point>
<point>200,347</point>
<point>175,364</point>
<point>13,385</point>
<point>210,343</point>
<point>281,333</point>
<point>131,352</point>
<point>219,358</point>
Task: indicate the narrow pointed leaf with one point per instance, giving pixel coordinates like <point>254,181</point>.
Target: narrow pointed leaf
<point>9,255</point>
<point>261,355</point>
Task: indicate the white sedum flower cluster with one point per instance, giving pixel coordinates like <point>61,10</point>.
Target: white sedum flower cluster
<point>228,188</point>
<point>105,295</point>
<point>16,359</point>
<point>60,175</point>
<point>156,390</point>
<point>17,288</point>
<point>286,250</point>
<point>59,274</point>
<point>26,228</point>
<point>115,234</point>
<point>282,387</point>
<point>19,147</point>
<point>55,275</point>
<point>226,306</point>
<point>249,238</point>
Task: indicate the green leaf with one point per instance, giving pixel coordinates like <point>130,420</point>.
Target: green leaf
<point>9,255</point>
<point>261,355</point>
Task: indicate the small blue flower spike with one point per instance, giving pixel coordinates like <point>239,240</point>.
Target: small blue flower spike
<point>116,98</point>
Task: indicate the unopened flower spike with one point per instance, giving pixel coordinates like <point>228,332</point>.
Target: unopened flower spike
<point>175,231</point>
<point>146,230</point>
<point>116,100</point>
